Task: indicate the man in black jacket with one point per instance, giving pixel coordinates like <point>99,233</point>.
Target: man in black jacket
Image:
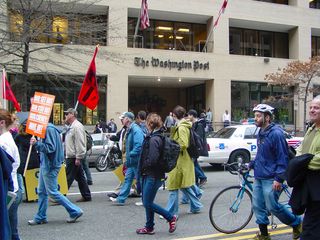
<point>199,127</point>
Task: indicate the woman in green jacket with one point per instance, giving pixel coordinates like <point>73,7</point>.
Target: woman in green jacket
<point>182,176</point>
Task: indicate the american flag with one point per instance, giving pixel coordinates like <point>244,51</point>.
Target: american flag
<point>144,17</point>
<point>223,7</point>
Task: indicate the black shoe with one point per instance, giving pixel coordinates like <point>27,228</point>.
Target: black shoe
<point>134,195</point>
<point>89,182</point>
<point>83,200</point>
<point>113,194</point>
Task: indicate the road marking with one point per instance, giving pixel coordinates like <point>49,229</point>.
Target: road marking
<point>97,192</point>
<point>250,236</point>
<point>235,236</point>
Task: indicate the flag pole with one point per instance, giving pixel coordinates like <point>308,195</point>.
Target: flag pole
<point>28,158</point>
<point>209,36</point>
<point>4,88</point>
<point>136,29</point>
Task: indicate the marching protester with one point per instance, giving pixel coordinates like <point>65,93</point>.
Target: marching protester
<point>169,122</point>
<point>199,126</point>
<point>51,156</point>
<point>5,186</point>
<point>120,138</point>
<point>269,170</point>
<point>152,176</point>
<point>7,144</point>
<point>75,146</point>
<point>309,187</point>
<point>182,176</point>
<point>133,146</point>
<point>141,121</point>
<point>22,140</point>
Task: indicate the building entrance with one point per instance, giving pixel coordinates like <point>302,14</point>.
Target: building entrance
<point>163,100</point>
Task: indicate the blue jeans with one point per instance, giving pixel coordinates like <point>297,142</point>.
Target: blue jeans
<point>199,174</point>
<point>48,185</point>
<point>131,172</point>
<point>198,192</point>
<point>265,200</point>
<point>173,203</point>
<point>13,211</point>
<point>150,186</point>
<point>85,167</point>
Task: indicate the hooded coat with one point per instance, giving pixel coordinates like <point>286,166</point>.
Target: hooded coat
<point>182,176</point>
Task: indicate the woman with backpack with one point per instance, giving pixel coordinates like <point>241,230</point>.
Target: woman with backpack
<point>182,176</point>
<point>152,176</point>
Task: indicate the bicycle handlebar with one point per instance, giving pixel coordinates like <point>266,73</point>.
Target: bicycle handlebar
<point>236,168</point>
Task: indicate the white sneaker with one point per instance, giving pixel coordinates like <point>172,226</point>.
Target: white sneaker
<point>139,204</point>
<point>112,199</point>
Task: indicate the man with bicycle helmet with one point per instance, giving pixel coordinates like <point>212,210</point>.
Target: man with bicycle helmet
<point>269,167</point>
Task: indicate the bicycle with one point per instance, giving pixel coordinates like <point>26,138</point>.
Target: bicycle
<point>231,209</point>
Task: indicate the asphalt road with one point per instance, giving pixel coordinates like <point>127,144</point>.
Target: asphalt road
<point>103,220</point>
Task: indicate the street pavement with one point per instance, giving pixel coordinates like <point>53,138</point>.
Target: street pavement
<point>103,220</point>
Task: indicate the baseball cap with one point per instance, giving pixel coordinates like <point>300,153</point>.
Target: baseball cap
<point>129,115</point>
<point>193,113</point>
<point>72,110</point>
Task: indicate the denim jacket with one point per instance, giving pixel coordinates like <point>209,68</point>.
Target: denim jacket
<point>50,148</point>
<point>134,140</point>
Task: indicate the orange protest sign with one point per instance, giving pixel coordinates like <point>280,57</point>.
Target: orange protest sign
<point>39,115</point>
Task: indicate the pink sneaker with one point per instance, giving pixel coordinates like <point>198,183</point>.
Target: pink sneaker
<point>145,231</point>
<point>173,224</point>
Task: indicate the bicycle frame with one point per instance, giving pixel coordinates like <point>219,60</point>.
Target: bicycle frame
<point>244,183</point>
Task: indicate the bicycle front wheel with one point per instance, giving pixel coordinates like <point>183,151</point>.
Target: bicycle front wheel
<point>231,210</point>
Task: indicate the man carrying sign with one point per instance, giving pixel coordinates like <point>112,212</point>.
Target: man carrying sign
<point>51,156</point>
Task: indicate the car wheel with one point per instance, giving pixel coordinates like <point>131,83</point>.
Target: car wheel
<point>239,156</point>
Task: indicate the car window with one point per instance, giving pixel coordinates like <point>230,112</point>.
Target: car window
<point>250,133</point>
<point>224,133</point>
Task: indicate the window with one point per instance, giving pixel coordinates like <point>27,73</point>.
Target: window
<point>249,133</point>
<point>225,133</point>
<point>315,48</point>
<point>85,29</point>
<point>245,95</point>
<point>168,35</point>
<point>258,43</point>
<point>314,4</point>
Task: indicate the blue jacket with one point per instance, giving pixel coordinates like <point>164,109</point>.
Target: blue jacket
<point>134,140</point>
<point>50,148</point>
<point>272,156</point>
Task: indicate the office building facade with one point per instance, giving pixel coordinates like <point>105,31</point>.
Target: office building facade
<point>177,60</point>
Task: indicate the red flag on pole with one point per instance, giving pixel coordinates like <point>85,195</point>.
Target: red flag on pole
<point>89,94</point>
<point>222,9</point>
<point>7,92</point>
<point>144,16</point>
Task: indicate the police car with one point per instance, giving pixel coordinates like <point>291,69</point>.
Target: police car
<point>237,143</point>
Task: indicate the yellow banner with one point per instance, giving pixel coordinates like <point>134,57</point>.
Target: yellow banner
<point>31,180</point>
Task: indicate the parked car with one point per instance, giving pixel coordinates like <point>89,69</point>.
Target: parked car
<point>237,143</point>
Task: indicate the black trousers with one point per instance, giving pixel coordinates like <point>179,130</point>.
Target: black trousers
<point>76,173</point>
<point>311,222</point>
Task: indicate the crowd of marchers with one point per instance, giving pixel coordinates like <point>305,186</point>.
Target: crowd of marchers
<point>141,141</point>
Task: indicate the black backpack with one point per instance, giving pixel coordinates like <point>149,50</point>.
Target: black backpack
<point>195,144</point>
<point>89,141</point>
<point>170,154</point>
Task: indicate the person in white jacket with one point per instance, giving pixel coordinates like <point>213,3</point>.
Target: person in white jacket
<point>7,143</point>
